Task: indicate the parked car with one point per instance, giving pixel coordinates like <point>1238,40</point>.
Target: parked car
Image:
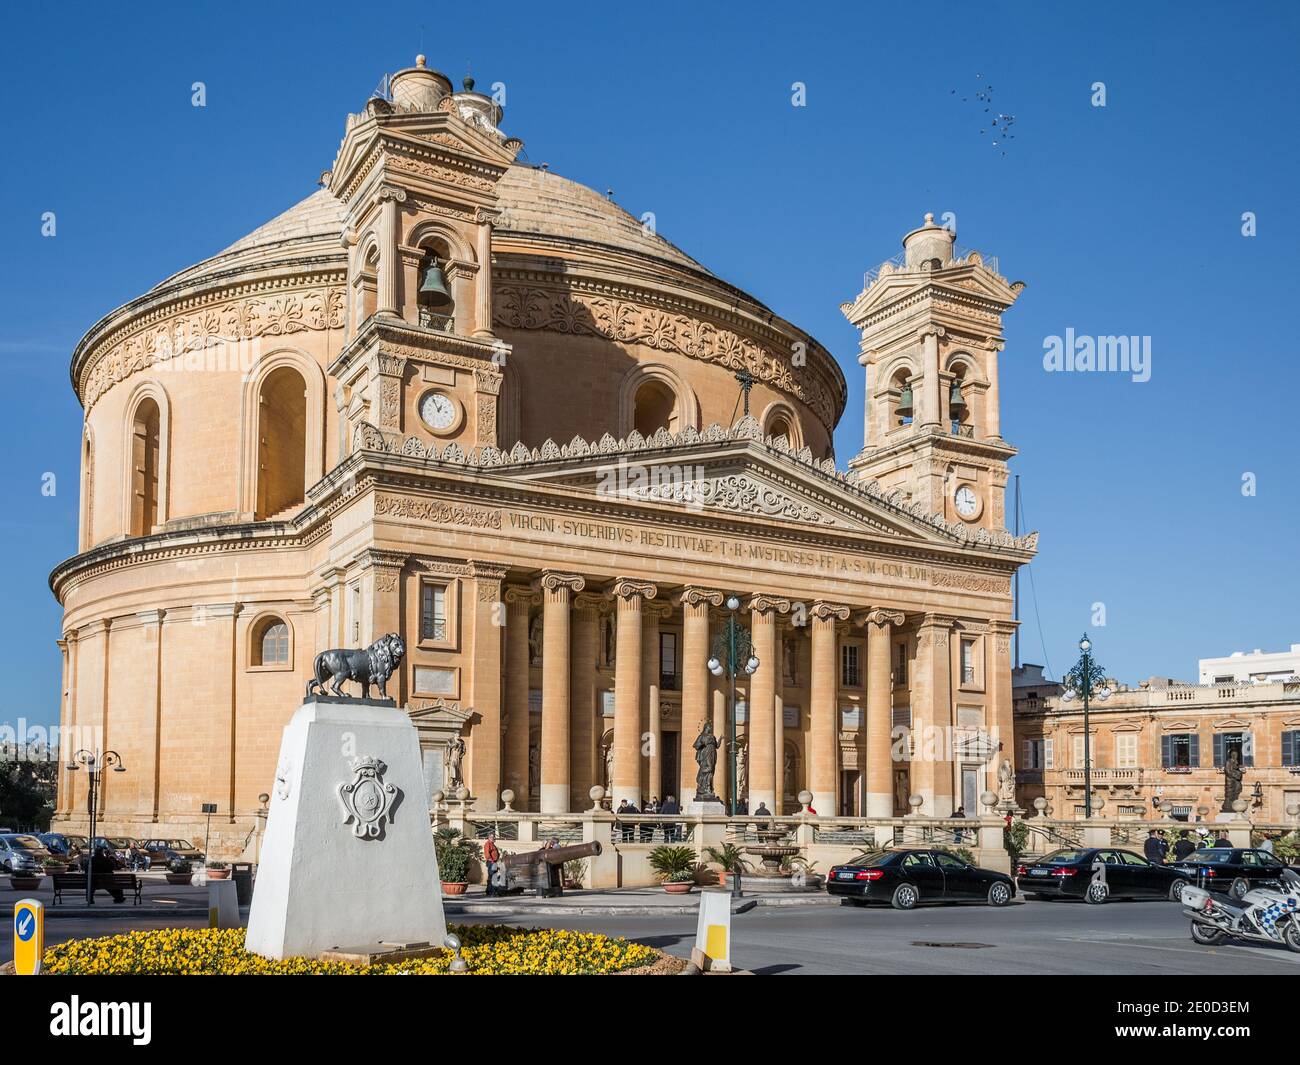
<point>907,877</point>
<point>1232,869</point>
<point>1098,874</point>
<point>130,852</point>
<point>163,851</point>
<point>22,853</point>
<point>61,850</point>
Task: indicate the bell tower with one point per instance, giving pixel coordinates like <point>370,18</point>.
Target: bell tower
<point>931,329</point>
<point>417,171</point>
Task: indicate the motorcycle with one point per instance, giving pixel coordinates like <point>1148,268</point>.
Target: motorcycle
<point>1263,915</point>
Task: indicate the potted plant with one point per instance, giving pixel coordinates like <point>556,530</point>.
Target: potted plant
<point>674,867</point>
<point>575,872</point>
<point>729,856</point>
<point>218,871</point>
<point>179,871</point>
<point>28,880</point>
<point>454,853</point>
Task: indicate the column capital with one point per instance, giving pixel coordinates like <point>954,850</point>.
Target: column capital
<point>517,595</point>
<point>824,611</point>
<point>936,621</point>
<point>588,603</point>
<point>553,581</point>
<point>488,570</point>
<point>627,588</point>
<point>932,330</point>
<point>882,617</point>
<point>656,612</point>
<point>766,604</point>
<point>692,595</point>
<point>392,192</point>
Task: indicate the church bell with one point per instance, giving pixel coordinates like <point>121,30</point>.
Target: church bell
<point>905,402</point>
<point>433,287</point>
<point>956,405</point>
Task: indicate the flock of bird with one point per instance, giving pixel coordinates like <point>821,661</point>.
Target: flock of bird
<point>999,125</point>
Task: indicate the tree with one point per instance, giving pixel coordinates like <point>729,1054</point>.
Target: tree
<point>27,786</point>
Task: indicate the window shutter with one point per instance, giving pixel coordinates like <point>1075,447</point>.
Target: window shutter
<point>1026,756</point>
<point>1218,750</point>
<point>1166,751</point>
<point>1195,749</point>
<point>1247,748</point>
<point>1289,747</point>
<point>1047,754</point>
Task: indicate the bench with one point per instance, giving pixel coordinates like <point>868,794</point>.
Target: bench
<point>128,883</point>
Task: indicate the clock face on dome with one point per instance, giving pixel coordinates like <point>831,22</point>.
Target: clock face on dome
<point>966,501</point>
<point>438,410</point>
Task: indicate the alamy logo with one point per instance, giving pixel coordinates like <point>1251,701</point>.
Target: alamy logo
<point>77,1018</point>
<point>1082,354</point>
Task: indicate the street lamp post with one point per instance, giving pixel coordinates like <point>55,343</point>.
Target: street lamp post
<point>733,654</point>
<point>1085,680</point>
<point>95,765</point>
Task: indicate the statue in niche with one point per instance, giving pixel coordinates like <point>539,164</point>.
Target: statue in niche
<point>454,756</point>
<point>789,657</point>
<point>535,640</point>
<point>534,770</point>
<point>706,759</point>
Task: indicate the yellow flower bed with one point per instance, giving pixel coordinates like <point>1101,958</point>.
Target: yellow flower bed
<point>490,950</point>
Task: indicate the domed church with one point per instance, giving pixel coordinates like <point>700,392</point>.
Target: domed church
<point>478,405</point>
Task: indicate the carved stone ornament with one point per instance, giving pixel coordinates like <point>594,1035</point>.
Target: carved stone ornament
<point>283,774</point>
<point>367,800</point>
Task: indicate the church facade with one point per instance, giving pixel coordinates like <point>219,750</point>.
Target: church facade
<point>476,404</point>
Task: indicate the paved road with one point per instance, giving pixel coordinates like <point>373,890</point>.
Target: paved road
<point>1049,938</point>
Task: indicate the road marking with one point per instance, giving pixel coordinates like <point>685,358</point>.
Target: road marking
<point>1284,959</point>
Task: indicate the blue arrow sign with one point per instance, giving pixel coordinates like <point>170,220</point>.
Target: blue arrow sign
<point>24,925</point>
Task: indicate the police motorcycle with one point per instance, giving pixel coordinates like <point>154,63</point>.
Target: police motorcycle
<point>1263,915</point>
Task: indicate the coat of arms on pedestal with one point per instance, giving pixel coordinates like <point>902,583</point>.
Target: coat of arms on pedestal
<point>367,800</point>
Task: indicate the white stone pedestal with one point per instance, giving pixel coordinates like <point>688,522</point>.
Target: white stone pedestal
<point>347,860</point>
<point>708,806</point>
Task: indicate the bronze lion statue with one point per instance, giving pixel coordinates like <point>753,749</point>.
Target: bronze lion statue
<point>374,665</point>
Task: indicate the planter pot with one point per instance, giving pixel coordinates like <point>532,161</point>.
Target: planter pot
<point>219,874</point>
<point>179,879</point>
<point>25,883</point>
<point>458,888</point>
<point>683,888</point>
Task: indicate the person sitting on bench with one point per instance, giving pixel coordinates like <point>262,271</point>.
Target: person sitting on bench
<point>106,864</point>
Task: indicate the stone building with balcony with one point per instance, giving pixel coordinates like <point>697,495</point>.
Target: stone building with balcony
<point>474,403</point>
<point>1158,749</point>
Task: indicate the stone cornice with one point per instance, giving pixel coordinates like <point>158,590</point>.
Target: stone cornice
<point>394,338</point>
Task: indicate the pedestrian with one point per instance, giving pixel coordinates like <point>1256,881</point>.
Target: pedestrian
<point>957,834</point>
<point>1221,841</point>
<point>625,827</point>
<point>762,810</point>
<point>742,807</point>
<point>106,864</point>
<point>670,807</point>
<point>648,827</point>
<point>1183,846</point>
<point>1266,845</point>
<point>491,855</point>
<point>1154,848</point>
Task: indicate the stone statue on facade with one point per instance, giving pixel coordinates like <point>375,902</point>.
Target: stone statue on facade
<point>367,666</point>
<point>1006,784</point>
<point>535,640</point>
<point>607,753</point>
<point>455,755</point>
<point>534,770</point>
<point>742,769</point>
<point>1233,775</point>
<point>706,758</point>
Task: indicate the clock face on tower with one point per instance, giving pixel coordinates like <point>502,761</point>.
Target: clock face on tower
<point>966,502</point>
<point>438,411</point>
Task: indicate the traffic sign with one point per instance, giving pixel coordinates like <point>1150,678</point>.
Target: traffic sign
<point>29,936</point>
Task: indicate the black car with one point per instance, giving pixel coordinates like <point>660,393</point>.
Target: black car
<point>1232,869</point>
<point>905,878</point>
<point>1098,874</point>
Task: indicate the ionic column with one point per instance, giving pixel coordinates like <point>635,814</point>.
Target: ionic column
<point>880,711</point>
<point>998,684</point>
<point>386,297</point>
<point>764,756</point>
<point>823,760</point>
<point>992,410</point>
<point>485,684</point>
<point>518,603</point>
<point>483,291</point>
<point>931,708</point>
<point>652,726</point>
<point>626,783</point>
<point>69,739</point>
<point>557,591</point>
<point>930,373</point>
<point>695,678</point>
<point>868,404</point>
<point>583,740</point>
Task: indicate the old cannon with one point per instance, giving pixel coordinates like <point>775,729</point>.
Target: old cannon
<point>541,870</point>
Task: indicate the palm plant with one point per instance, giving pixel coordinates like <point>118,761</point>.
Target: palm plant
<point>676,865</point>
<point>729,856</point>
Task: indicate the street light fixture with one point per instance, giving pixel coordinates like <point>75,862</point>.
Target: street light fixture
<point>1087,679</point>
<point>733,654</point>
<point>95,765</point>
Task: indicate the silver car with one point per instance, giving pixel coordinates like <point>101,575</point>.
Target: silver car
<point>21,853</point>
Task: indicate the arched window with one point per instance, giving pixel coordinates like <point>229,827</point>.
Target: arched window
<point>655,408</point>
<point>145,441</point>
<point>270,643</point>
<point>959,407</point>
<point>281,442</point>
<point>433,294</point>
<point>87,493</point>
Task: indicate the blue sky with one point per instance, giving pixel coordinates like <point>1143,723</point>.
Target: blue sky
<point>1122,220</point>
